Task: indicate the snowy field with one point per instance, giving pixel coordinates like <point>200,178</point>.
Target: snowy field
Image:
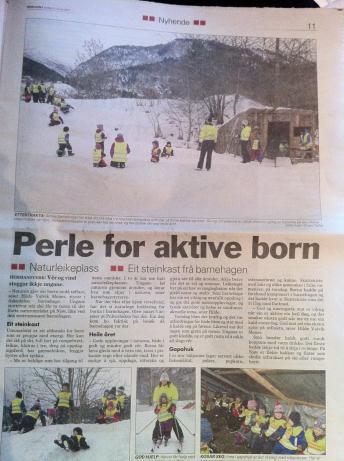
<point>144,439</point>
<point>108,442</point>
<point>171,188</point>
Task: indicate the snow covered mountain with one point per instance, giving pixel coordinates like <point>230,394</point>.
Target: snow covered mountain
<point>52,64</point>
<point>191,68</point>
<point>122,57</point>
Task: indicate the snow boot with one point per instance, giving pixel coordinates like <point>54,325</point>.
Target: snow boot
<point>61,445</point>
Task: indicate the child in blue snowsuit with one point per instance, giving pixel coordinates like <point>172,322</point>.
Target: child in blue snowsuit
<point>291,438</point>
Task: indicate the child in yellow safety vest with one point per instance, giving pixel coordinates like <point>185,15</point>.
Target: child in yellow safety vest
<point>30,419</point>
<point>247,416</point>
<point>167,150</point>
<point>316,438</point>
<point>55,118</point>
<point>119,151</point>
<point>256,148</point>
<point>17,410</point>
<point>155,152</point>
<point>163,426</point>
<point>75,442</point>
<point>292,438</point>
<point>265,443</point>
<point>260,422</point>
<point>64,404</point>
<point>99,150</point>
<point>63,142</point>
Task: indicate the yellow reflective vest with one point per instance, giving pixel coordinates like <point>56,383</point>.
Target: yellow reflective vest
<point>61,139</point>
<point>16,406</point>
<point>208,133</point>
<point>245,133</point>
<point>164,414</point>
<point>34,88</point>
<point>33,413</point>
<point>291,432</point>
<point>98,136</point>
<point>260,420</point>
<point>315,447</point>
<point>64,398</point>
<point>97,155</point>
<point>168,150</point>
<point>121,400</point>
<point>120,152</point>
<point>111,410</point>
<point>169,389</point>
<point>255,144</point>
<point>248,414</point>
<point>274,424</point>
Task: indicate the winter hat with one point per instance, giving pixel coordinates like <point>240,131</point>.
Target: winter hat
<point>244,122</point>
<point>278,408</point>
<point>156,143</point>
<point>251,404</point>
<point>295,417</point>
<point>119,138</point>
<point>209,121</point>
<point>65,384</point>
<point>164,376</point>
<point>66,128</point>
<point>100,127</point>
<point>168,143</point>
<point>111,396</point>
<point>38,403</point>
<point>78,430</point>
<point>163,398</point>
<point>320,423</point>
<point>19,395</point>
<point>121,388</point>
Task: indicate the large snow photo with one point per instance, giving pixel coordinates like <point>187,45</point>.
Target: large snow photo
<point>154,86</point>
<point>50,414</point>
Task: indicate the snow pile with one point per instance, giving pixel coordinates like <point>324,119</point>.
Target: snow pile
<point>144,439</point>
<point>107,443</point>
<point>65,90</point>
<point>170,188</point>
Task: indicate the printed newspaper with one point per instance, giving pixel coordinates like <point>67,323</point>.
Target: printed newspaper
<point>172,232</point>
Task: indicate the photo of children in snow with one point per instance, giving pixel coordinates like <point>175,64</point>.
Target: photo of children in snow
<point>165,410</point>
<point>85,411</point>
<point>247,411</point>
<point>132,112</point>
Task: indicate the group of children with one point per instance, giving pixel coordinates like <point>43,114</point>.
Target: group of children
<point>156,152</point>
<point>112,409</point>
<point>113,404</point>
<point>280,432</point>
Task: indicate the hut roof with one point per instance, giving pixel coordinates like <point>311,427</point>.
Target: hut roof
<point>297,386</point>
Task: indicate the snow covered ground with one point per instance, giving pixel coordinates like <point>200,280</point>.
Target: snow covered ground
<point>171,188</point>
<point>144,439</point>
<point>108,442</point>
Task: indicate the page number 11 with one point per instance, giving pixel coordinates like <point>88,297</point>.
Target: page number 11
<point>311,26</point>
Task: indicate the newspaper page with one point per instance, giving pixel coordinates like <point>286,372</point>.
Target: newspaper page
<point>171,232</point>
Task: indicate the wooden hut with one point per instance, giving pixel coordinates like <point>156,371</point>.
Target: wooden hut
<point>281,125</point>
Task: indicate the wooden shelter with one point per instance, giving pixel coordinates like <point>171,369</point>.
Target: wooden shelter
<point>281,125</point>
<point>300,390</point>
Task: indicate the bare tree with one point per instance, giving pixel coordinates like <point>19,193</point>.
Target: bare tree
<point>154,115</point>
